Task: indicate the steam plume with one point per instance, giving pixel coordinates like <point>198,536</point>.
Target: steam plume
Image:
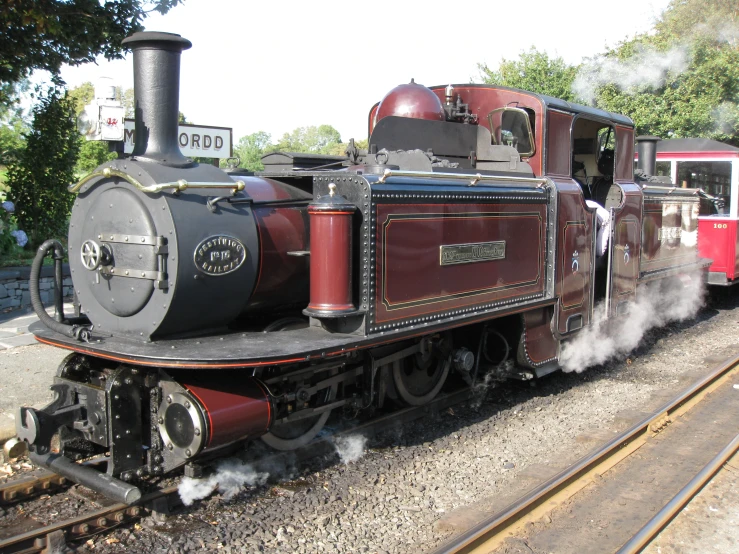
<point>351,448</point>
<point>648,68</point>
<point>719,31</point>
<point>725,118</point>
<point>663,302</point>
<point>230,477</point>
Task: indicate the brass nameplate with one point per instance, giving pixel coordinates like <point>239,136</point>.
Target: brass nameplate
<point>451,254</point>
<point>219,255</point>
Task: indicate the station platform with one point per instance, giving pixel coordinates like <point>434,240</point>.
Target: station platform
<point>14,326</point>
<point>27,367</point>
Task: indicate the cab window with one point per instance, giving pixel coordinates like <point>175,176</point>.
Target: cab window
<point>513,127</point>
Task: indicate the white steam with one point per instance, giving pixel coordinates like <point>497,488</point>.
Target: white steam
<point>230,477</point>
<point>724,31</point>
<point>351,448</point>
<point>605,339</point>
<point>725,118</point>
<point>648,68</point>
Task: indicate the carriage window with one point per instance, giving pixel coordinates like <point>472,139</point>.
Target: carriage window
<point>512,127</point>
<point>664,169</point>
<point>712,177</point>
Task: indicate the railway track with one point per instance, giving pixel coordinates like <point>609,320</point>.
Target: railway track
<point>47,538</point>
<point>490,533</point>
<point>652,528</point>
<point>485,537</point>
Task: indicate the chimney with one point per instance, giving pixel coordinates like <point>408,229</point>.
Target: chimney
<point>646,147</point>
<point>156,83</point>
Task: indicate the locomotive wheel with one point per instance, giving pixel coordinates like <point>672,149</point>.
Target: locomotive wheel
<point>419,378</point>
<point>294,434</point>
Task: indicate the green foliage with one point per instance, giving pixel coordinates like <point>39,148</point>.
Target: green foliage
<point>11,139</point>
<point>312,139</point>
<point>323,139</point>
<point>39,178</point>
<point>12,125</point>
<point>8,243</point>
<point>710,18</point>
<point>128,103</point>
<point>18,256</point>
<point>81,96</point>
<point>251,148</point>
<point>533,71</point>
<point>45,35</point>
<point>696,97</point>
<point>92,153</point>
<point>7,223</point>
<point>681,79</point>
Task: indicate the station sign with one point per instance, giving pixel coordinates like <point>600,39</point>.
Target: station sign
<point>195,140</point>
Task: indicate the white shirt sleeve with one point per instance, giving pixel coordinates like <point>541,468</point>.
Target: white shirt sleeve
<point>603,226</point>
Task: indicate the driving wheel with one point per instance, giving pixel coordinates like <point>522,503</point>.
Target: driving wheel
<point>290,435</point>
<point>419,378</point>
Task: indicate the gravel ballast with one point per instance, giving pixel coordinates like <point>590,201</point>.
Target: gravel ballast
<point>415,486</point>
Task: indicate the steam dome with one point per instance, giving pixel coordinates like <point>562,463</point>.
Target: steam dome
<point>411,100</point>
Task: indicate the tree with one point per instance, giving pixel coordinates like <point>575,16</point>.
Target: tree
<point>533,71</point>
<point>713,18</point>
<point>11,139</point>
<point>681,80</point>
<point>45,35</point>
<point>12,124</point>
<point>38,179</point>
<point>251,148</point>
<point>127,99</point>
<point>322,139</point>
<point>339,148</point>
<point>312,139</point>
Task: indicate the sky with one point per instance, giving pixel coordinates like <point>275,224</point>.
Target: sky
<point>277,65</point>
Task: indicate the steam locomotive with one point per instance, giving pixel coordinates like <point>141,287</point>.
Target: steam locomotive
<point>217,307</point>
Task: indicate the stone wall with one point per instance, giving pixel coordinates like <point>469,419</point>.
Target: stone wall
<point>14,291</point>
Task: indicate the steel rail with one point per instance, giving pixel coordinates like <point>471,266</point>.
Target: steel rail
<point>494,525</point>
<point>647,533</point>
<point>107,518</point>
<point>39,482</point>
<point>84,525</point>
<point>101,520</point>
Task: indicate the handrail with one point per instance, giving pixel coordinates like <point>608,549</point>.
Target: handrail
<point>475,178</point>
<point>176,186</point>
<point>670,189</point>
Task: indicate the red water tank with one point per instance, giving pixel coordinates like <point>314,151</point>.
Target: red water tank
<point>330,256</point>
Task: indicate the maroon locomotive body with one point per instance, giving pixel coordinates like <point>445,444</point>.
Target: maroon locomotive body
<point>482,226</point>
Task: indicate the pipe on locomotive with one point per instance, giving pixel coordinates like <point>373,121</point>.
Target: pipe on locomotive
<point>646,147</point>
<point>156,84</point>
<point>78,328</point>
